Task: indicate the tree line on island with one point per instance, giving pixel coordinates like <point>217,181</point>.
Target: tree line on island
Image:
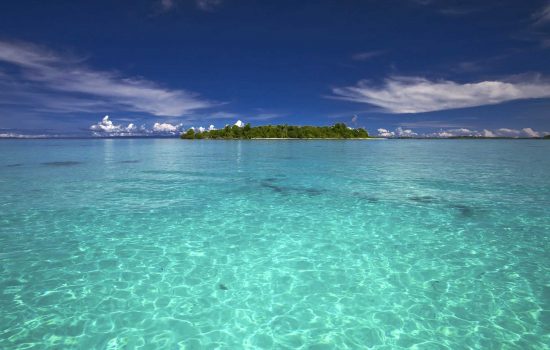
<point>337,131</point>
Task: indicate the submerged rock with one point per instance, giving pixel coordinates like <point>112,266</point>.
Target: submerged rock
<point>366,197</point>
<point>270,183</point>
<point>464,210</point>
<point>422,199</point>
<point>63,163</point>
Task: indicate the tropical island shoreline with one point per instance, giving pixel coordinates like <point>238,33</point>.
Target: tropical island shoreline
<point>316,138</point>
<point>243,131</point>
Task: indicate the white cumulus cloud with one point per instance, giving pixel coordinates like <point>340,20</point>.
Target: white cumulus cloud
<point>385,133</point>
<point>530,132</point>
<point>106,126</point>
<point>525,132</point>
<point>455,133</point>
<point>166,128</point>
<point>405,132</point>
<point>239,123</point>
<point>416,95</point>
<point>15,135</point>
<point>399,132</point>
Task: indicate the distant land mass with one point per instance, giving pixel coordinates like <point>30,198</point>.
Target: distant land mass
<point>337,131</point>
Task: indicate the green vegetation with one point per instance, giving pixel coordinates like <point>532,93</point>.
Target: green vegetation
<point>546,137</point>
<point>337,131</point>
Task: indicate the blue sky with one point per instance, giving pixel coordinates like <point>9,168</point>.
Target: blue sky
<point>395,67</point>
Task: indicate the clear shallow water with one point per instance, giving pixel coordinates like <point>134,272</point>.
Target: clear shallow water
<point>169,244</point>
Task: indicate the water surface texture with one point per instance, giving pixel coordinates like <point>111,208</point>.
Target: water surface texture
<point>171,244</point>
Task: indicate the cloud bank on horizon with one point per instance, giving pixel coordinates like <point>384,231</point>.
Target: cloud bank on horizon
<point>417,95</point>
<point>107,128</point>
<point>463,132</point>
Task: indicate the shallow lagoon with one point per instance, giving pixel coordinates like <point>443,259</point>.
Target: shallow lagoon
<point>169,244</point>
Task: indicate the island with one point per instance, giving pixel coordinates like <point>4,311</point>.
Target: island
<point>337,131</point>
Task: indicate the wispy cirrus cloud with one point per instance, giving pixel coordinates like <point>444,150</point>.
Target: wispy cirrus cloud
<point>542,16</point>
<point>48,80</point>
<point>431,124</point>
<point>450,8</point>
<point>167,5</point>
<point>203,5</point>
<point>257,116</point>
<point>416,95</point>
<point>367,55</point>
<point>208,5</point>
<point>540,24</point>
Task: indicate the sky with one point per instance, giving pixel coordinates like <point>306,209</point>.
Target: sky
<point>158,67</point>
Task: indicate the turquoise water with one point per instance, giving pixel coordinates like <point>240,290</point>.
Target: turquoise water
<point>170,244</point>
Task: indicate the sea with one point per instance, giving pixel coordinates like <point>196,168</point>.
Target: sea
<point>274,244</point>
